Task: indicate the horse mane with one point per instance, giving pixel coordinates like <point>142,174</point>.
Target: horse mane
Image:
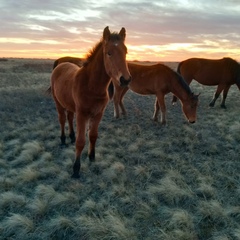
<point>179,77</point>
<point>93,52</point>
<point>183,82</point>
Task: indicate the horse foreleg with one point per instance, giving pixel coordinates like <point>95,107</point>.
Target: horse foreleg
<point>80,143</point>
<point>93,135</point>
<point>225,92</point>
<point>70,116</point>
<point>124,112</point>
<point>116,100</point>
<point>156,110</point>
<point>216,95</point>
<point>160,104</point>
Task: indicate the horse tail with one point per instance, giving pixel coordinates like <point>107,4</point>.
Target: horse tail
<point>178,68</point>
<point>49,91</point>
<point>55,63</point>
<point>110,90</point>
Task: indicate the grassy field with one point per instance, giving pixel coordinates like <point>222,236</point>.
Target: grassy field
<point>178,181</point>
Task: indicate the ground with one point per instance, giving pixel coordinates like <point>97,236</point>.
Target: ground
<point>179,181</point>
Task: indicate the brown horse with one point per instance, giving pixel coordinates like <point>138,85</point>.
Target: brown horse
<point>222,72</point>
<point>159,80</point>
<point>84,91</point>
<point>79,62</point>
<point>75,60</point>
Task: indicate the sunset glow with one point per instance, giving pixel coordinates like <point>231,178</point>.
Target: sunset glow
<point>156,31</point>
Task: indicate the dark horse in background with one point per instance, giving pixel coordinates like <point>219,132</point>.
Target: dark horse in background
<point>84,91</point>
<point>78,61</point>
<point>159,80</point>
<point>222,72</point>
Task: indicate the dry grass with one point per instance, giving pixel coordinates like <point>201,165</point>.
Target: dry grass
<point>180,181</point>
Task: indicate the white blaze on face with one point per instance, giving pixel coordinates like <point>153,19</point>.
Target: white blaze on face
<point>117,74</point>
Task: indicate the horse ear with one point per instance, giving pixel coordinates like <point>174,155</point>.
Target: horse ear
<point>106,33</point>
<point>122,33</point>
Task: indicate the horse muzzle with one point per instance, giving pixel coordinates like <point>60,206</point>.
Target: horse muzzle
<point>124,82</point>
<point>191,121</point>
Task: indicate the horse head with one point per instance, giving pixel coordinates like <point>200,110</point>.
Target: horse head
<point>115,52</point>
<point>189,107</point>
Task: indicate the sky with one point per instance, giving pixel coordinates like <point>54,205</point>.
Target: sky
<point>156,30</point>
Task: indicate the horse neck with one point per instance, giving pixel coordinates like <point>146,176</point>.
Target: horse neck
<point>180,89</point>
<point>98,77</point>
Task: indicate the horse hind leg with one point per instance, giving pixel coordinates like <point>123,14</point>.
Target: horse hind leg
<point>216,95</point>
<point>70,116</point>
<point>62,121</point>
<point>225,92</point>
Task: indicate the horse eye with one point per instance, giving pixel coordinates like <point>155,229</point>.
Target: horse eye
<point>109,54</point>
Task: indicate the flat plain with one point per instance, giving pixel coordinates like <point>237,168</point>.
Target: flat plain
<point>180,181</point>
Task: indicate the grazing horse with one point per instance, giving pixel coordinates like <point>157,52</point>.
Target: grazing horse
<point>159,80</point>
<point>84,91</point>
<point>222,72</point>
<point>75,60</point>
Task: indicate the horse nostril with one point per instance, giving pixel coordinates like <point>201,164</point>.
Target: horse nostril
<point>124,82</point>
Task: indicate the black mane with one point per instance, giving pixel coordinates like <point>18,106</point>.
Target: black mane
<point>183,82</point>
<point>180,79</point>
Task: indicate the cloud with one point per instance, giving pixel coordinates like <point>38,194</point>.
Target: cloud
<point>156,26</point>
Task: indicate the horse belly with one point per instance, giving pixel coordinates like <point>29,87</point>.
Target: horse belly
<point>210,81</point>
<point>141,86</point>
<point>208,77</point>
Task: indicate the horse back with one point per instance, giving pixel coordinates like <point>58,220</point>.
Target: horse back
<point>208,71</point>
<point>150,79</point>
<point>75,60</point>
<point>62,82</point>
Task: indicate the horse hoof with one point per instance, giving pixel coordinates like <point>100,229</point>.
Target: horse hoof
<point>63,145</point>
<point>223,106</point>
<point>91,159</point>
<point>76,175</point>
<point>72,137</point>
<point>91,156</point>
<point>211,105</point>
